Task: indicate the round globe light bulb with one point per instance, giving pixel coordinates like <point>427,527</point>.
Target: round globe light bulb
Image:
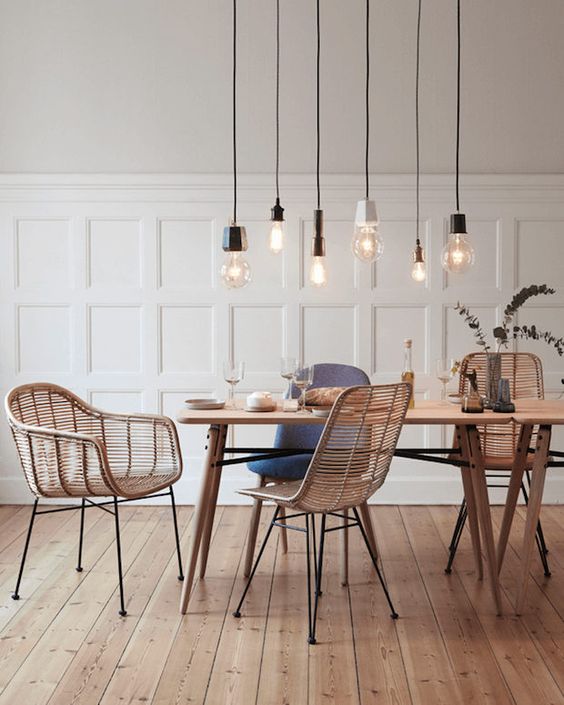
<point>367,244</point>
<point>318,272</point>
<point>276,237</point>
<point>235,271</point>
<point>458,254</point>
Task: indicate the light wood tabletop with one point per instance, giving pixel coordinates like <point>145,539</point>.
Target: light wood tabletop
<point>425,412</point>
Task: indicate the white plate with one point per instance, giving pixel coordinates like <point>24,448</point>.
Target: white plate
<point>203,404</point>
<point>323,413</point>
<point>455,398</point>
<point>257,408</point>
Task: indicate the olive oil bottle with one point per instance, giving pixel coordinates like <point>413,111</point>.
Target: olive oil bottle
<point>408,375</point>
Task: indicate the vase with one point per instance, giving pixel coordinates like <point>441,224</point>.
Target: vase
<point>493,375</point>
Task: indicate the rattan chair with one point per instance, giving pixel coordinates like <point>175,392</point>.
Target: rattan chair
<point>499,443</point>
<point>349,465</point>
<point>68,448</point>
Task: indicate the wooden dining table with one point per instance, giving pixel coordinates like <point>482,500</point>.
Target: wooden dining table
<point>466,453</point>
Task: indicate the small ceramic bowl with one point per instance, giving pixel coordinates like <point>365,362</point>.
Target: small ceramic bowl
<point>260,400</point>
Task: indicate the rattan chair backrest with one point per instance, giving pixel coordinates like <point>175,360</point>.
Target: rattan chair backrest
<point>524,372</point>
<point>355,450</point>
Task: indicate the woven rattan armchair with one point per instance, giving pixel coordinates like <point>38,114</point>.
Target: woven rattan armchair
<point>68,448</point>
<point>499,443</point>
<point>350,463</point>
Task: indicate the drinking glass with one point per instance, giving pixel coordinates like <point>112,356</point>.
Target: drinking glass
<point>445,368</point>
<point>303,378</point>
<point>288,367</point>
<point>233,373</point>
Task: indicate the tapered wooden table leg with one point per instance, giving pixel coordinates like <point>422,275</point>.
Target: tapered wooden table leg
<point>461,441</point>
<point>533,510</point>
<point>212,502</point>
<point>479,483</point>
<point>519,466</point>
<point>201,514</point>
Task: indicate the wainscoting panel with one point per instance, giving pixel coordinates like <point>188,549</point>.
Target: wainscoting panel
<point>110,285</point>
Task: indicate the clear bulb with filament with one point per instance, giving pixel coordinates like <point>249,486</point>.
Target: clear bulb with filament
<point>367,243</point>
<point>318,271</point>
<point>458,254</point>
<point>235,271</point>
<point>276,237</point>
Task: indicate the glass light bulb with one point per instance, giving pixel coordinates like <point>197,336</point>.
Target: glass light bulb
<point>235,271</point>
<point>419,272</point>
<point>318,272</point>
<point>276,238</point>
<point>367,243</point>
<point>458,253</point>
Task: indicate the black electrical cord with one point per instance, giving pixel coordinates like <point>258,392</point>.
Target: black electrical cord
<point>317,97</point>
<point>234,112</point>
<point>367,98</point>
<point>458,106</point>
<point>417,169</point>
<point>277,99</point>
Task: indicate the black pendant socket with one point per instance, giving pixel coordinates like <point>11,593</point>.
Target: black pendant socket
<point>234,238</point>
<point>277,212</point>
<point>458,223</point>
<point>318,243</point>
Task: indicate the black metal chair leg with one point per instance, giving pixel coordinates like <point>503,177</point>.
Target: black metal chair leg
<point>311,637</point>
<point>314,537</point>
<point>457,535</point>
<point>118,545</point>
<point>176,535</point>
<point>237,612</point>
<point>319,573</point>
<point>16,593</point>
<point>394,614</point>
<point>458,525</point>
<point>81,537</point>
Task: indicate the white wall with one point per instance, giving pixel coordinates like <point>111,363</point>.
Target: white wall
<point>108,285</point>
<point>143,86</point>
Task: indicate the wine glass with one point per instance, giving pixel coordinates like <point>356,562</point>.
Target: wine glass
<point>233,373</point>
<point>288,367</point>
<point>303,378</point>
<point>445,369</point>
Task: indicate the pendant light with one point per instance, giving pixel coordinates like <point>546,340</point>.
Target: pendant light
<point>276,237</point>
<point>418,271</point>
<point>458,253</point>
<point>235,271</point>
<point>318,271</point>
<point>367,244</point>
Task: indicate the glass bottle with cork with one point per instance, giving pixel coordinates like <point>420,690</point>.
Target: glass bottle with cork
<point>408,375</point>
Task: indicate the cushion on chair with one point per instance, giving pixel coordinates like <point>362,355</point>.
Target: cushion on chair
<point>293,467</point>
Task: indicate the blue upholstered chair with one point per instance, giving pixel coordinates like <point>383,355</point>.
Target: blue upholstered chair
<point>325,374</point>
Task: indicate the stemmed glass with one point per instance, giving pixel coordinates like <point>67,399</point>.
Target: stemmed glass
<point>288,367</point>
<point>445,368</point>
<point>303,378</point>
<point>233,373</point>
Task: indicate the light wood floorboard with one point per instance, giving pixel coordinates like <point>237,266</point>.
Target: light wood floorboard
<point>64,643</point>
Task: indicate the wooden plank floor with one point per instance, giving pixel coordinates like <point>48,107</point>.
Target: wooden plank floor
<point>63,643</point>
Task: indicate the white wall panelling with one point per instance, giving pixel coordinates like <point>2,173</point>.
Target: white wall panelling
<point>109,285</point>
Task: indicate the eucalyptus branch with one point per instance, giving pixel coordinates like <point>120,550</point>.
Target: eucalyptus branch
<point>474,324</point>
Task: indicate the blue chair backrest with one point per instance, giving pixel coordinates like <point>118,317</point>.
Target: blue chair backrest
<point>325,374</point>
